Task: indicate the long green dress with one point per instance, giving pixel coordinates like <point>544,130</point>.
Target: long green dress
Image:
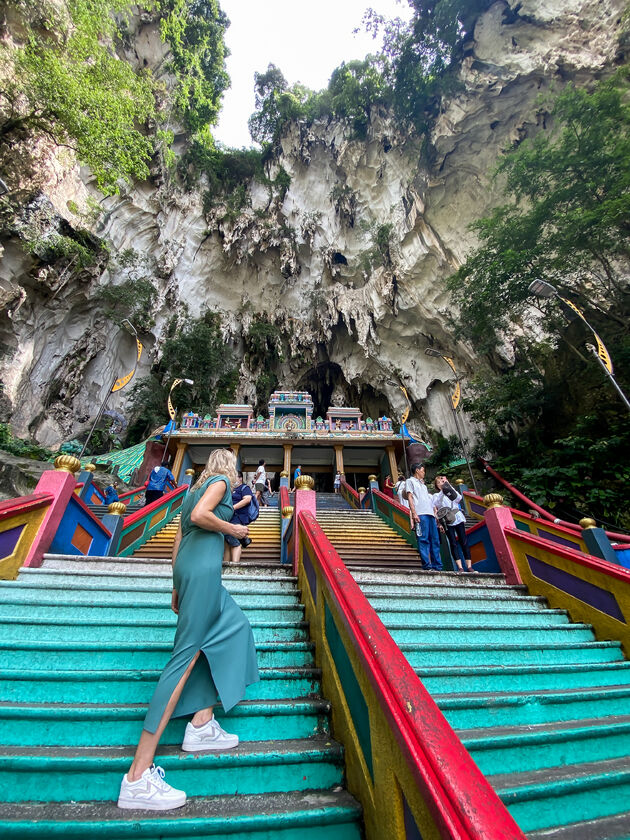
<point>209,620</point>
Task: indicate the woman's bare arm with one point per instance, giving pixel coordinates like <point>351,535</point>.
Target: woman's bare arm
<point>203,515</point>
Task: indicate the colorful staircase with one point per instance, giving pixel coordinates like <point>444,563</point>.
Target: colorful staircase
<point>264,534</point>
<point>363,539</point>
<point>543,707</point>
<point>82,643</point>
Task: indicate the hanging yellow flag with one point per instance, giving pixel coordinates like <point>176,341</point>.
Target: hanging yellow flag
<point>457,393</point>
<point>120,383</point>
<point>601,347</point>
<point>405,414</point>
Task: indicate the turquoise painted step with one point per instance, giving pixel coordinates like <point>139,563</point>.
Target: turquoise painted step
<point>155,631</point>
<point>524,677</point>
<point>51,656</point>
<point>454,616</point>
<point>315,815</point>
<point>495,634</point>
<point>533,708</point>
<point>32,594</point>
<point>399,602</point>
<point>410,592</point>
<point>141,613</point>
<point>50,776</point>
<point>616,827</point>
<point>279,579</point>
<point>535,800</point>
<point>533,748</point>
<point>509,654</point>
<point>139,583</point>
<point>125,687</point>
<point>98,725</point>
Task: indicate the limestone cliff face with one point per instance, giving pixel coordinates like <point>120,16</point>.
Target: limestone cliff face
<point>349,262</point>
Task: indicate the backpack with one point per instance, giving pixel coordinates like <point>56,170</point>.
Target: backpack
<point>253,509</point>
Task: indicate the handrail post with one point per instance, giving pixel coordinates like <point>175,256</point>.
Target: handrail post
<point>60,484</point>
<point>597,542</point>
<point>497,519</point>
<point>305,501</point>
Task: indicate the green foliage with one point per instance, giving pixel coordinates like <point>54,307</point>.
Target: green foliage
<point>134,297</point>
<point>568,221</point>
<point>196,351</point>
<point>445,450</point>
<point>378,254</point>
<point>66,82</point>
<point>276,105</point>
<point>195,30</point>
<point>22,448</point>
<point>353,89</point>
<point>263,350</point>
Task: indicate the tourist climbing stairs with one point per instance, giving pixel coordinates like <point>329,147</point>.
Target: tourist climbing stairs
<point>361,537</point>
<point>541,705</point>
<point>264,534</point>
<point>82,644</point>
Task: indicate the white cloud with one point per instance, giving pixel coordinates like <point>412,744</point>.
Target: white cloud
<point>305,40</point>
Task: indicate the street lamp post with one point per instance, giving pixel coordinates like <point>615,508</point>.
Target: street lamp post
<point>172,413</point>
<point>455,400</point>
<point>117,384</point>
<point>542,289</point>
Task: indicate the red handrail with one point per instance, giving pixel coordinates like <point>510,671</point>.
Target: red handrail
<point>21,504</point>
<point>147,509</point>
<point>612,535</point>
<point>464,805</point>
<point>284,498</point>
<point>351,490</point>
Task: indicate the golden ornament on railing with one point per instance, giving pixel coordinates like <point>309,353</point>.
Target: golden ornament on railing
<point>117,508</point>
<point>587,523</point>
<point>287,512</point>
<point>67,463</point>
<point>304,482</point>
<point>284,474</point>
<point>362,490</point>
<point>372,478</point>
<point>493,500</point>
<point>459,481</point>
<point>90,467</point>
<point>190,472</point>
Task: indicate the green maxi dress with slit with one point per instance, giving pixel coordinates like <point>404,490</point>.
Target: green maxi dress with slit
<point>208,621</point>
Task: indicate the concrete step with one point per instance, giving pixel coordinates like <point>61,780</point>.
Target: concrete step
<point>93,774</point>
<point>479,616</point>
<point>90,725</point>
<point>615,827</point>
<point>132,686</point>
<point>313,815</point>
<point>586,791</point>
<point>513,749</point>
<point>494,635</point>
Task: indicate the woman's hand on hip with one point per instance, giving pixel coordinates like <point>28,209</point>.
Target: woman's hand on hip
<point>175,602</point>
<point>240,531</point>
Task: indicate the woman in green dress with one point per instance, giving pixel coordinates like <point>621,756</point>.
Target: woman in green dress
<point>214,656</point>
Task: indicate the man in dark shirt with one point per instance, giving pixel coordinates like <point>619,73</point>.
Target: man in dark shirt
<point>157,482</point>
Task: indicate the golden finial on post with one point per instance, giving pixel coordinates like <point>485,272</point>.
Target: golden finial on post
<point>587,523</point>
<point>67,463</point>
<point>117,508</point>
<point>90,467</point>
<point>493,500</point>
<point>362,490</point>
<point>189,472</point>
<point>287,512</point>
<point>284,474</point>
<point>372,478</point>
<point>304,482</point>
<point>459,481</point>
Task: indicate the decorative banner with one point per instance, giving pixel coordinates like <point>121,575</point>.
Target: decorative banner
<point>450,363</point>
<point>405,414</point>
<point>456,396</point>
<point>120,383</point>
<point>601,348</point>
<point>171,409</point>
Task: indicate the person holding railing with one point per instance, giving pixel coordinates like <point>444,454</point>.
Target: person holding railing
<point>214,655</point>
<point>158,478</point>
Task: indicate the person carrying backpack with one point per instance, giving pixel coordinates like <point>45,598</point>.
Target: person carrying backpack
<point>242,498</point>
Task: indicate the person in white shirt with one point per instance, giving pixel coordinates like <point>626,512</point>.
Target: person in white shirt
<point>455,530</point>
<point>423,518</point>
<point>260,481</point>
<point>401,492</point>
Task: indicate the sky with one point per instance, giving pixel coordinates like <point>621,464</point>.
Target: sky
<point>306,40</point>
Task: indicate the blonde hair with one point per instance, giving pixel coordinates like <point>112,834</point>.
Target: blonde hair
<point>220,462</point>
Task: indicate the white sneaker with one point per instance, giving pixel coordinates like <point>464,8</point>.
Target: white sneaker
<point>210,736</point>
<point>150,792</point>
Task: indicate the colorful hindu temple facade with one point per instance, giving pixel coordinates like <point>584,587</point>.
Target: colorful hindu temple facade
<point>290,436</point>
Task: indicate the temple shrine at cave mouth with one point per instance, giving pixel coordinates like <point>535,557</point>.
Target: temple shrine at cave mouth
<point>290,436</point>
